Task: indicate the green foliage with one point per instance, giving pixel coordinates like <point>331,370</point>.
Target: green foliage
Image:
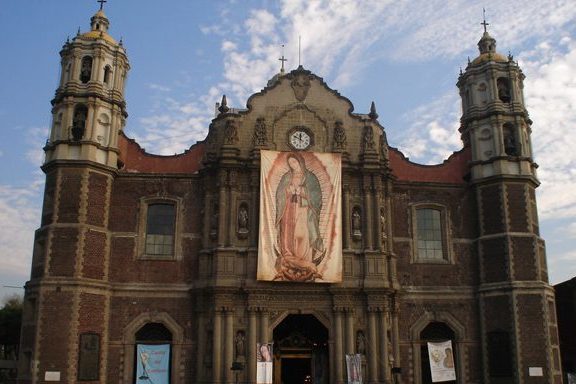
<point>10,322</point>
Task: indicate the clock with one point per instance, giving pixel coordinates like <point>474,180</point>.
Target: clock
<point>300,139</point>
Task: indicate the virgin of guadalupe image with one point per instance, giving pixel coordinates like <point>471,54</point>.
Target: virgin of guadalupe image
<point>299,248</point>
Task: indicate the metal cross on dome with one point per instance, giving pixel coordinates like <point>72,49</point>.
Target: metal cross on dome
<point>101,3</point>
<point>484,23</point>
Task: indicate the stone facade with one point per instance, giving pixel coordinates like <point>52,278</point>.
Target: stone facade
<point>483,284</point>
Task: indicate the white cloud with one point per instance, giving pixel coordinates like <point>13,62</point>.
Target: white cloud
<point>20,217</point>
<point>432,133</point>
<point>562,266</point>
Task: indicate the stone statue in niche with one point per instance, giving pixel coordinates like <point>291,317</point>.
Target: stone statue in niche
<point>231,132</point>
<point>240,345</point>
<point>503,90</point>
<point>242,220</point>
<point>356,223</point>
<point>368,139</point>
<point>383,223</point>
<point>510,146</point>
<point>260,135</point>
<point>339,136</point>
<point>360,343</point>
<point>214,222</point>
<point>79,123</point>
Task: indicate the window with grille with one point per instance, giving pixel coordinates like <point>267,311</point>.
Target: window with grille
<point>429,236</point>
<point>160,225</point>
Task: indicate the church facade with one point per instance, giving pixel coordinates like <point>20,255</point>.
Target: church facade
<point>293,223</point>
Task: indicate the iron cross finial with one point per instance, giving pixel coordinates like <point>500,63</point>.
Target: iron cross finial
<point>484,23</point>
<point>282,59</point>
<point>101,3</point>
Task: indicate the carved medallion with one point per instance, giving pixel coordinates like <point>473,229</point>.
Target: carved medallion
<point>301,86</point>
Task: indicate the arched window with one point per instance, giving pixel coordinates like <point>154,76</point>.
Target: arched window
<point>503,86</point>
<point>107,74</point>
<point>86,69</point>
<point>160,230</point>
<point>153,354</point>
<point>79,122</point>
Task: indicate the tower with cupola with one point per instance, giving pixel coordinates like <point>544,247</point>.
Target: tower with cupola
<point>70,266</point>
<point>518,325</point>
<point>88,110</point>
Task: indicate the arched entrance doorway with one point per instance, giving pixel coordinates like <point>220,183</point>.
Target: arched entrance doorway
<point>301,351</point>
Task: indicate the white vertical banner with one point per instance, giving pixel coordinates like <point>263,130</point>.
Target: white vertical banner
<point>354,368</point>
<point>441,361</point>
<point>264,367</point>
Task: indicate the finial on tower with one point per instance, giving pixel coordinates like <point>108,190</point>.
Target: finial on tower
<point>484,23</point>
<point>373,114</point>
<point>282,59</point>
<point>223,105</point>
<point>101,3</point>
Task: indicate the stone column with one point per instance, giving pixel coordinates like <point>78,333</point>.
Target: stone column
<point>350,344</point>
<point>229,346</point>
<point>254,209</point>
<point>96,65</point>
<point>222,205</point>
<point>372,346</point>
<point>346,228</point>
<point>75,70</point>
<point>384,355</point>
<point>208,204</point>
<point>368,214</point>
<point>233,208</point>
<point>264,327</point>
<point>338,346</point>
<point>395,334</point>
<point>217,347</point>
<point>251,347</point>
<point>200,348</point>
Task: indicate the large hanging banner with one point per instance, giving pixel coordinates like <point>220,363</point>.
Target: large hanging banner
<point>441,361</point>
<point>264,368</point>
<point>354,368</point>
<point>152,364</point>
<point>300,217</point>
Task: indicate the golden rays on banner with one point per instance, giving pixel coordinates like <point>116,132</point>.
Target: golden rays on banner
<point>300,217</point>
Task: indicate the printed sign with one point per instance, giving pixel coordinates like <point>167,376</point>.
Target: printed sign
<point>354,368</point>
<point>264,367</point>
<point>441,361</point>
<point>152,364</point>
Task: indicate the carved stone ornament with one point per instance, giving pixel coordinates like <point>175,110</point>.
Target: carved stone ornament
<point>301,85</point>
<point>339,136</point>
<point>356,223</point>
<point>260,135</point>
<point>231,132</point>
<point>368,139</point>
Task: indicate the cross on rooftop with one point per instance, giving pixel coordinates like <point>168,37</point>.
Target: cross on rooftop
<point>101,3</point>
<point>484,23</point>
<point>282,59</point>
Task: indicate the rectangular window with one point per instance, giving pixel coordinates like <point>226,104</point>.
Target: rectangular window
<point>160,225</point>
<point>429,234</point>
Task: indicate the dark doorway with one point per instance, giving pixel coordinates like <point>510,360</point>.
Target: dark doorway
<point>301,351</point>
<point>296,370</point>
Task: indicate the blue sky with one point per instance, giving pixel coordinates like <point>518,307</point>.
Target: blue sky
<point>404,55</point>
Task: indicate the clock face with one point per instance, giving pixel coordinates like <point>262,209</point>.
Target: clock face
<point>300,139</point>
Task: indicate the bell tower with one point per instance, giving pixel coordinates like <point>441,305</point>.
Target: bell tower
<point>88,110</point>
<point>70,263</point>
<point>518,321</point>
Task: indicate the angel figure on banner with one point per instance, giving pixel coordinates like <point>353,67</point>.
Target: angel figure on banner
<point>299,247</point>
